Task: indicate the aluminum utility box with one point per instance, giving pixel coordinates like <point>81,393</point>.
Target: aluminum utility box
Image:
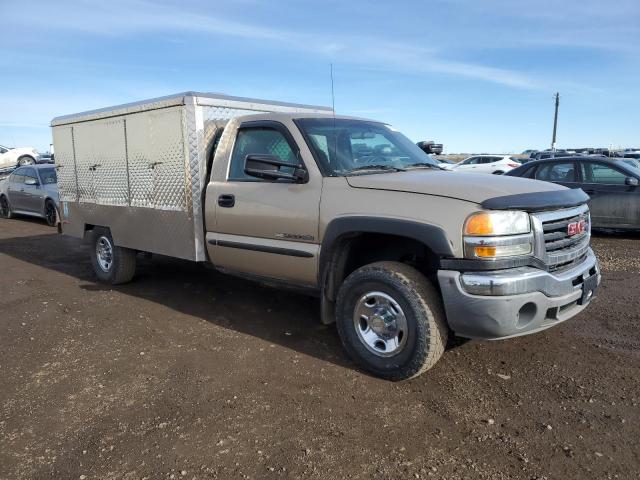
<point>141,168</point>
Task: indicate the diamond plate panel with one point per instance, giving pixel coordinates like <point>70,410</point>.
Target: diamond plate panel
<point>101,163</point>
<point>156,159</point>
<point>65,163</point>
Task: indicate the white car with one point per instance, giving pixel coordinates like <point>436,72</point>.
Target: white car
<point>497,164</point>
<point>11,157</point>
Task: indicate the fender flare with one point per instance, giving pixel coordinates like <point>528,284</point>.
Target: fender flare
<point>433,237</point>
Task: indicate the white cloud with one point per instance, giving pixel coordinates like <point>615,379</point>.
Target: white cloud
<point>127,18</point>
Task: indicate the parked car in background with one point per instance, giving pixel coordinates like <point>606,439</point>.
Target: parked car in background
<point>30,190</point>
<point>444,162</point>
<point>496,164</point>
<point>550,154</point>
<point>10,157</point>
<point>46,157</point>
<point>611,184</point>
<point>431,147</point>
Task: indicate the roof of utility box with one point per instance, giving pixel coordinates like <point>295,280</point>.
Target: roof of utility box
<point>187,98</point>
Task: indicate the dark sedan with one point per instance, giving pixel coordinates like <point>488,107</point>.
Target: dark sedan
<point>612,186</point>
<point>30,190</point>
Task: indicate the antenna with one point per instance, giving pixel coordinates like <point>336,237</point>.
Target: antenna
<point>333,98</point>
<point>333,110</point>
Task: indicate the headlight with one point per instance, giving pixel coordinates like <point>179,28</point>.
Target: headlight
<point>492,235</point>
<point>497,223</point>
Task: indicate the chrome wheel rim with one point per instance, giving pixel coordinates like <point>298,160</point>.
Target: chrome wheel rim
<point>51,214</point>
<point>381,324</point>
<point>104,254</point>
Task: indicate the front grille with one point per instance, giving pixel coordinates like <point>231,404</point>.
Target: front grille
<point>556,247</point>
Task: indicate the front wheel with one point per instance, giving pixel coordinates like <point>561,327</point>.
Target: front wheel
<point>391,320</point>
<point>50,213</point>
<point>5,209</point>
<point>112,264</point>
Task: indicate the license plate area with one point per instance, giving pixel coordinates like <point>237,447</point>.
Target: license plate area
<point>589,287</point>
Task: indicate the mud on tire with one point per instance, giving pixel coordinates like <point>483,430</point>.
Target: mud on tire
<point>421,306</point>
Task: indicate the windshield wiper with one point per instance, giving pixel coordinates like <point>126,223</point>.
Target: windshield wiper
<point>376,167</point>
<point>425,165</point>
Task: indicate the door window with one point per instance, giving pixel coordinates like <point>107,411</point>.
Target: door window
<point>266,141</point>
<point>18,176</point>
<point>557,172</point>
<point>30,173</point>
<point>470,161</point>
<point>602,174</point>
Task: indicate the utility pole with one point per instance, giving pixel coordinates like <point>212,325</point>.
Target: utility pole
<point>555,123</point>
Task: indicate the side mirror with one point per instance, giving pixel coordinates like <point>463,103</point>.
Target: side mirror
<point>268,167</point>
<point>30,181</point>
<point>631,181</point>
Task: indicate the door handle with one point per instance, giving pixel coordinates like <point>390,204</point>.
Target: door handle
<point>227,200</point>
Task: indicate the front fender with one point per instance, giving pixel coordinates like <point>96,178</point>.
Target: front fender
<point>432,236</point>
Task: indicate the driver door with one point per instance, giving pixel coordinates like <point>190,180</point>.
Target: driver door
<point>263,227</point>
<point>15,189</point>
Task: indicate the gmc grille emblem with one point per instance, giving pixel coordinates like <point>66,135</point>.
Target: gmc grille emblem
<point>576,228</point>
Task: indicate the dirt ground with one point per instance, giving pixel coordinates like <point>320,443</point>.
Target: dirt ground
<point>187,373</point>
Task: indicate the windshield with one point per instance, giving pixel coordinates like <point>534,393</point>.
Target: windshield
<point>48,176</point>
<point>346,146</point>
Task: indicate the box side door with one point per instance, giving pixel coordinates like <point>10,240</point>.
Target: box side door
<point>65,163</point>
<point>101,162</point>
<point>157,159</point>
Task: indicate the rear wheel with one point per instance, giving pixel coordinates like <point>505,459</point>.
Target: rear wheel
<point>50,213</point>
<point>5,209</point>
<point>391,320</point>
<point>112,264</point>
<point>26,160</point>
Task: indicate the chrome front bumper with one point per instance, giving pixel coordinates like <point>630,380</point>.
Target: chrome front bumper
<point>517,301</point>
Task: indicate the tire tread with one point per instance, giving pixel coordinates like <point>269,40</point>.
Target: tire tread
<point>434,336</point>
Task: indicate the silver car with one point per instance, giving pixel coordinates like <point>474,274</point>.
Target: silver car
<point>31,190</point>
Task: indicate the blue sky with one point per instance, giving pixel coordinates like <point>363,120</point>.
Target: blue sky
<point>478,76</point>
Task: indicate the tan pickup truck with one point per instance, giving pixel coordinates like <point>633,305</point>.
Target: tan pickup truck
<point>401,253</point>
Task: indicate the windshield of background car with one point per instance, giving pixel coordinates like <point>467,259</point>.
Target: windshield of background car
<point>343,145</point>
<point>48,176</point>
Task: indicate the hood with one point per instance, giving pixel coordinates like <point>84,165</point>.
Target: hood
<point>472,187</point>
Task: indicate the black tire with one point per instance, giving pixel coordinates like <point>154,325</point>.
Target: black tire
<point>50,213</point>
<point>5,208</point>
<point>122,266</point>
<point>426,326</point>
<point>26,160</point>
<point>498,172</point>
